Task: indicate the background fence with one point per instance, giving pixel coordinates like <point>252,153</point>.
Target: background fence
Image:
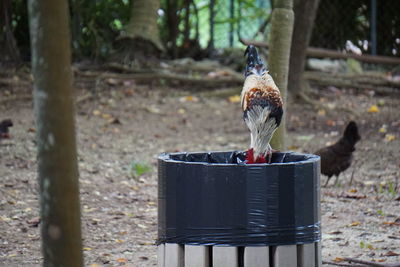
<point>372,25</point>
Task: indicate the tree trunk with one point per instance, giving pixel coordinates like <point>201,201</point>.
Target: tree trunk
<point>54,112</point>
<point>212,18</point>
<point>143,22</point>
<point>173,20</point>
<point>8,43</point>
<point>140,44</point>
<point>280,41</point>
<point>305,12</point>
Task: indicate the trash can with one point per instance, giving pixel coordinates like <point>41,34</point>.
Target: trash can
<point>215,210</point>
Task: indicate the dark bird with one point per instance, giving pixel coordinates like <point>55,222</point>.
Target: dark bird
<point>338,157</point>
<point>4,125</point>
<point>262,107</point>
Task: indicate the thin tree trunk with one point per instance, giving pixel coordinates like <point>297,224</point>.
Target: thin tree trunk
<point>305,12</point>
<point>8,41</point>
<point>212,17</point>
<point>280,41</point>
<point>54,112</point>
<point>143,21</point>
<point>186,31</point>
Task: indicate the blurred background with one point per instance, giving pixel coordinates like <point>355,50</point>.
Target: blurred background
<point>371,25</point>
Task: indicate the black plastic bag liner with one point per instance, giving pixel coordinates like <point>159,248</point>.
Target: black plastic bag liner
<point>213,198</point>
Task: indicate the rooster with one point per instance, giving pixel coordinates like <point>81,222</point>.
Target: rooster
<point>262,107</point>
<point>4,125</point>
<point>338,157</point>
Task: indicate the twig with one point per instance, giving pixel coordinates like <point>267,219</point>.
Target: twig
<point>342,264</point>
<point>371,263</point>
<point>203,81</point>
<point>16,98</point>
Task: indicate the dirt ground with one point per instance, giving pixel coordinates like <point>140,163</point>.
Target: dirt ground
<point>127,123</point>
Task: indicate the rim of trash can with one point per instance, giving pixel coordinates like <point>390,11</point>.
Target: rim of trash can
<point>308,158</point>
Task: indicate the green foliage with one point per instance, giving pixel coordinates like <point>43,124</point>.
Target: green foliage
<point>96,24</point>
<point>137,169</point>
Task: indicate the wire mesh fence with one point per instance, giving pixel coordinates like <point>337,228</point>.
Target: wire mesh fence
<point>372,26</point>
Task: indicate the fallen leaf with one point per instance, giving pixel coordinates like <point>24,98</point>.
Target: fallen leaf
<point>383,129</point>
<point>87,249</point>
<point>106,116</point>
<point>5,219</point>
<point>112,81</point>
<point>94,265</point>
<point>390,137</point>
<point>142,226</point>
<point>153,109</point>
<point>392,223</point>
<point>188,98</point>
<point>373,109</point>
<point>321,112</point>
<point>338,259</point>
<point>354,224</point>
<point>234,99</point>
<point>181,111</point>
<point>129,92</point>
<point>369,246</point>
<point>122,260</point>
<point>330,123</point>
<point>353,190</point>
<point>378,260</point>
<point>119,241</point>
<point>335,233</point>
<point>96,112</point>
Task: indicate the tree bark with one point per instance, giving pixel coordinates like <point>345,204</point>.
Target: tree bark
<point>8,43</point>
<point>305,12</point>
<point>212,17</point>
<point>55,124</point>
<point>280,41</point>
<point>143,22</point>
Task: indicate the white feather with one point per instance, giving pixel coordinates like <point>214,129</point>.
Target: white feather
<point>261,127</point>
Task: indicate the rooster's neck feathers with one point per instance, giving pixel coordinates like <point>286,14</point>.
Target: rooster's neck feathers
<point>254,65</point>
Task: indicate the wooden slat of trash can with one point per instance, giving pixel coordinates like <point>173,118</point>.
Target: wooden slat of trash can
<point>256,257</point>
<point>197,256</point>
<point>174,256</point>
<point>285,256</point>
<point>225,256</point>
<point>161,255</point>
<point>318,254</point>
<point>306,255</point>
